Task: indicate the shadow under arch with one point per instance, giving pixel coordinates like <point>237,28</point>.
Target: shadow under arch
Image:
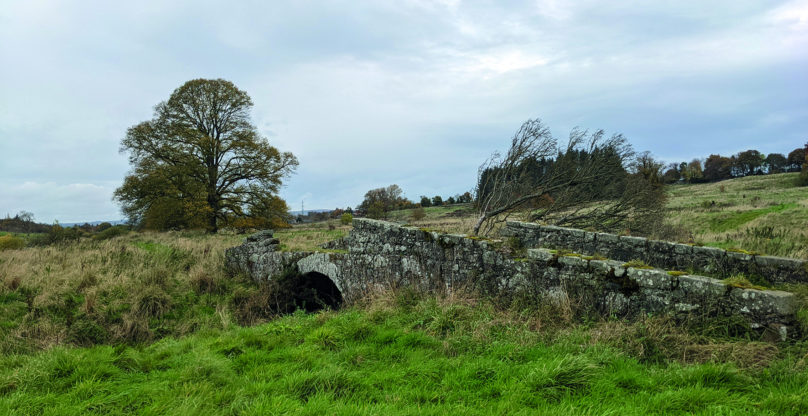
<point>315,291</point>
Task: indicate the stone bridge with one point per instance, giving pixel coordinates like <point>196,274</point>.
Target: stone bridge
<point>378,255</point>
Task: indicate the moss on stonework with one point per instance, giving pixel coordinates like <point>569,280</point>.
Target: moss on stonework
<point>676,273</point>
<point>742,282</point>
<point>637,264</point>
<point>742,251</point>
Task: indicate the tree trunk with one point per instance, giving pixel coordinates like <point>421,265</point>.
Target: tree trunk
<point>213,203</point>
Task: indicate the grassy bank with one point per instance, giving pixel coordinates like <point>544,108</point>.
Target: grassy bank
<point>134,288</point>
<point>400,354</point>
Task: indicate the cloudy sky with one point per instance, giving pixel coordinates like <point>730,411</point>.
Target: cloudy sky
<point>371,93</point>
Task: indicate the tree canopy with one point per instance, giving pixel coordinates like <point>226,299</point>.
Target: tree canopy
<point>379,201</point>
<point>200,162</point>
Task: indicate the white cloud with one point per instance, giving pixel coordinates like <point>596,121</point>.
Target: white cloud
<point>65,202</point>
<point>372,93</point>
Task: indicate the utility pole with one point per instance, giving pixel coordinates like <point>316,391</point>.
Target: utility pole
<point>302,210</point>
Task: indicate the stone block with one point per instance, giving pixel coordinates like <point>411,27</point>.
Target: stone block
<point>701,286</point>
<point>735,262</point>
<point>660,254</point>
<point>606,244</point>
<point>763,302</point>
<point>601,267</point>
<point>782,270</point>
<point>708,259</point>
<point>259,236</point>
<point>590,243</point>
<point>540,254</point>
<point>575,262</point>
<point>652,278</point>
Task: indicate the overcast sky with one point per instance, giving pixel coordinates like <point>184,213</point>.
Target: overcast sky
<point>371,93</point>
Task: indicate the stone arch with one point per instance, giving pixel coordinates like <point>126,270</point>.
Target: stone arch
<point>317,291</point>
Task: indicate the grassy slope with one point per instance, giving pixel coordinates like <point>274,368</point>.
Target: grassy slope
<point>767,214</point>
<point>414,357</point>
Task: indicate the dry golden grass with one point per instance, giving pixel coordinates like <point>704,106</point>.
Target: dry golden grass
<point>92,291</point>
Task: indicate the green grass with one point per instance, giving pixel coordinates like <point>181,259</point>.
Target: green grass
<point>432,213</point>
<point>421,357</point>
<point>730,221</point>
<point>765,214</point>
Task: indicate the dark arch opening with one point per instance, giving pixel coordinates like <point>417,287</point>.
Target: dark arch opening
<point>315,291</point>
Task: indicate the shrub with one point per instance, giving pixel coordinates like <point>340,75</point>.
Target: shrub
<point>153,302</point>
<point>8,242</point>
<point>59,234</point>
<point>111,232</point>
<point>802,180</point>
<point>346,219</point>
<point>203,282</point>
<point>86,332</point>
<point>418,214</point>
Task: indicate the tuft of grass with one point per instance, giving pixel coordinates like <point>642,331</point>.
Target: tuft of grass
<point>741,281</point>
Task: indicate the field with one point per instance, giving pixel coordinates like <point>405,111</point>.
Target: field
<point>767,214</point>
<point>152,323</point>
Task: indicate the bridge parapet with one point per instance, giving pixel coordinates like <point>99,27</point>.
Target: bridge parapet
<point>380,254</point>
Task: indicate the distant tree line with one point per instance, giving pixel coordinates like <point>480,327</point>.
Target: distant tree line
<point>749,162</point>
<point>379,201</point>
<point>22,222</point>
<point>46,234</point>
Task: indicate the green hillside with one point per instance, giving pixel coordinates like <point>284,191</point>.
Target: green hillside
<point>766,214</point>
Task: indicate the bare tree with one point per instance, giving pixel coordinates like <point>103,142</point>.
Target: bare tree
<point>586,183</point>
